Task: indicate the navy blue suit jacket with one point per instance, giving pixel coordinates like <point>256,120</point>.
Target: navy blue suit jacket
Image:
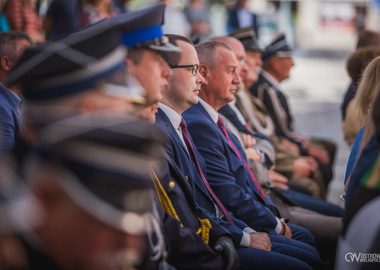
<point>10,123</point>
<point>229,113</point>
<point>226,174</point>
<point>178,154</point>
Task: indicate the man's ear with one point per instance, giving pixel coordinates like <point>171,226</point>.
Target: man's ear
<point>205,72</point>
<point>274,62</point>
<point>5,63</point>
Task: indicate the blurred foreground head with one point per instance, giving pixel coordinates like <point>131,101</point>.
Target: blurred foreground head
<point>83,72</point>
<point>88,201</point>
<point>141,32</point>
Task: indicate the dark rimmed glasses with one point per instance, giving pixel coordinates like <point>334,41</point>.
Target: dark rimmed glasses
<point>194,68</point>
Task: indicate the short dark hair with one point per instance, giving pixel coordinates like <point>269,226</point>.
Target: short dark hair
<point>173,58</point>
<point>368,38</point>
<point>8,42</point>
<point>359,60</point>
<point>135,55</point>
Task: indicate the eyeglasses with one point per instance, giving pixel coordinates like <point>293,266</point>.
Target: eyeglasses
<point>194,68</point>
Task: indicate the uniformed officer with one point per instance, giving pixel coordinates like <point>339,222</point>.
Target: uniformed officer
<point>277,62</point>
<point>141,32</point>
<point>83,74</point>
<point>86,199</point>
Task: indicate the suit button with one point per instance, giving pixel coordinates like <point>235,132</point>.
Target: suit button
<point>171,184</point>
<point>187,178</point>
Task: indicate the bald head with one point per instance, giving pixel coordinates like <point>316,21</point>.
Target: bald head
<point>235,44</point>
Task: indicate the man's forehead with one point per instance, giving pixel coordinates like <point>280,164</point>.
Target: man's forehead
<point>188,51</point>
<point>253,53</point>
<point>227,56</point>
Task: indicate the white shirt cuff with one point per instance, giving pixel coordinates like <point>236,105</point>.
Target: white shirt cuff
<point>245,240</point>
<point>279,226</point>
<point>248,230</point>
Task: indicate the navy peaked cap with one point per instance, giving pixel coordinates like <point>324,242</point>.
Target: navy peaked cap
<point>108,161</point>
<point>142,29</point>
<point>248,37</point>
<point>71,65</point>
<point>278,47</point>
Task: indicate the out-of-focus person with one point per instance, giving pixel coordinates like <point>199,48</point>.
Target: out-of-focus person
<point>277,63</point>
<point>198,14</point>
<point>61,19</point>
<point>12,46</point>
<point>239,17</point>
<point>142,33</point>
<point>175,19</point>
<point>23,16</point>
<point>366,38</point>
<point>74,208</point>
<point>354,119</point>
<point>93,11</point>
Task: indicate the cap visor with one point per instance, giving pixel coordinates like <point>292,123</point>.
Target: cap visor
<point>164,48</point>
<point>127,221</point>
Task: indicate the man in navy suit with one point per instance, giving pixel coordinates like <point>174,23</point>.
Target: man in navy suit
<point>181,93</point>
<point>12,46</point>
<point>227,171</point>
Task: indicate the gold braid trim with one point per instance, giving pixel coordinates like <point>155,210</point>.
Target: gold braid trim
<point>205,225</point>
<point>164,198</point>
<point>204,230</point>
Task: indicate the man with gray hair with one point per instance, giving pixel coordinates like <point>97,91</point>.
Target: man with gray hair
<point>12,46</point>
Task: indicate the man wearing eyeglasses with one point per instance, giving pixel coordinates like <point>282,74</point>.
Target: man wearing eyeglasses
<point>182,92</point>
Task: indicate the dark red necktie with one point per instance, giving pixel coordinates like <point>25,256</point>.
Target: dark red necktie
<point>223,129</point>
<point>189,145</point>
<point>249,128</point>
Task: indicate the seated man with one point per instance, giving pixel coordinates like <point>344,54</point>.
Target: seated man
<point>12,46</point>
<point>325,229</point>
<point>227,171</point>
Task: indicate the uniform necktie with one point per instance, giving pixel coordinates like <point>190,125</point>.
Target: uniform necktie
<point>249,129</point>
<point>223,129</point>
<point>189,145</point>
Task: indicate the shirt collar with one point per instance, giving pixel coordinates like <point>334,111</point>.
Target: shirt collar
<point>173,116</point>
<point>214,114</point>
<point>15,98</point>
<point>238,113</point>
<point>270,78</point>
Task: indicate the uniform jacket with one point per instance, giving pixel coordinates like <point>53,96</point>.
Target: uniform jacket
<point>276,104</point>
<point>186,249</point>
